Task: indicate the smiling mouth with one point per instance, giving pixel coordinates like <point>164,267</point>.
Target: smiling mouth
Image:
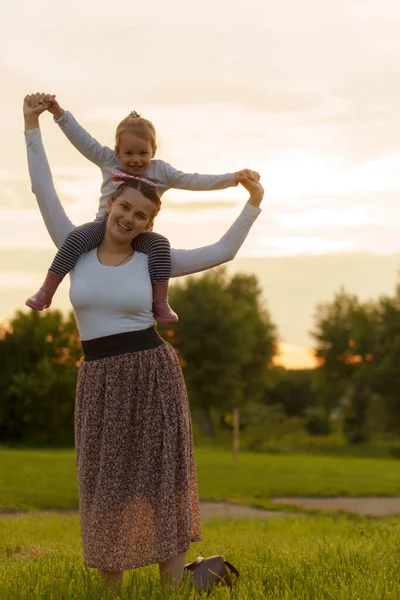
<point>123,228</point>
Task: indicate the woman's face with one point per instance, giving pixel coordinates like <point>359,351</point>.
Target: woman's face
<point>130,214</point>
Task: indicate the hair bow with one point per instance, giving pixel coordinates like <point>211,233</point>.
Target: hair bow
<point>134,114</point>
<point>119,176</point>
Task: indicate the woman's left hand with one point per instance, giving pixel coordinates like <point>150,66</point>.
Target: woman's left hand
<point>255,190</point>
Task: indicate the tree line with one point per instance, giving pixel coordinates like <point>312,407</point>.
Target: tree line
<point>358,348</point>
<point>226,342</point>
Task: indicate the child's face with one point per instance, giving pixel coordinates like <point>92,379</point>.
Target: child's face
<point>135,153</point>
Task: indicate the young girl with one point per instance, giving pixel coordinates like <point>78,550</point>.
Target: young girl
<point>133,157</point>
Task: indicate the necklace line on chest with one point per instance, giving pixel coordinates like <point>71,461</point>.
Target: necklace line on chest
<point>120,263</point>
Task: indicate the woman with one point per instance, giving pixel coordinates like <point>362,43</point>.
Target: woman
<point>134,446</point>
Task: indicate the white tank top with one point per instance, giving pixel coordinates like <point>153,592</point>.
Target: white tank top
<point>109,300</point>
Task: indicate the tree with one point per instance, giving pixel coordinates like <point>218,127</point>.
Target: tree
<point>386,360</point>
<point>345,342</point>
<point>291,389</point>
<point>39,356</point>
<point>224,339</point>
<point>262,346</point>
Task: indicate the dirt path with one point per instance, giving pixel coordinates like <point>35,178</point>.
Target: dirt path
<point>373,506</point>
<point>208,510</point>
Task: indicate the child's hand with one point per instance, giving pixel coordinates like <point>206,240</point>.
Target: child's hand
<point>245,174</point>
<point>53,107</point>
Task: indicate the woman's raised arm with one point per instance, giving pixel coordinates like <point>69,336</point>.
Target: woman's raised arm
<point>57,223</point>
<point>185,262</point>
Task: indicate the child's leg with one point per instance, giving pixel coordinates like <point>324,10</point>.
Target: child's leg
<point>158,249</point>
<point>80,240</point>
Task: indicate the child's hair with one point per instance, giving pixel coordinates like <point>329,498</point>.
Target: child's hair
<point>144,188</point>
<point>140,126</point>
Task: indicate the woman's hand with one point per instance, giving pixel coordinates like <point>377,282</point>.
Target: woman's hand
<point>255,190</point>
<point>34,105</point>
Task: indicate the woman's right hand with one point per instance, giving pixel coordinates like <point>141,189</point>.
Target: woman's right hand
<point>255,190</point>
<point>33,106</point>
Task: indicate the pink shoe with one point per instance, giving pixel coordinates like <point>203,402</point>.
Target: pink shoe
<point>162,311</point>
<point>42,299</point>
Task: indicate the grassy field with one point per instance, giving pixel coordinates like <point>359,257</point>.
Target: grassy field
<point>318,558</point>
<point>45,479</point>
<point>305,559</point>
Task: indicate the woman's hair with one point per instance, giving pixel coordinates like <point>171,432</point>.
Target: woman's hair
<point>144,188</point>
<point>140,126</point>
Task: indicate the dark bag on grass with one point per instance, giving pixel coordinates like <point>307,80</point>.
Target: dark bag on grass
<point>206,573</point>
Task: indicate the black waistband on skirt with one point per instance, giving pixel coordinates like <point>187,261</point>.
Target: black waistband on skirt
<point>121,343</point>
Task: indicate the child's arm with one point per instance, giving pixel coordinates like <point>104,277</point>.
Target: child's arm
<point>172,178</point>
<point>185,262</point>
<point>78,136</point>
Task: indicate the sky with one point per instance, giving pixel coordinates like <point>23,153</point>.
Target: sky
<point>307,93</point>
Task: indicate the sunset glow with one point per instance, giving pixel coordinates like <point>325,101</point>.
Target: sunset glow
<point>305,93</point>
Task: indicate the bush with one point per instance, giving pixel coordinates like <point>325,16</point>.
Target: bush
<point>316,425</point>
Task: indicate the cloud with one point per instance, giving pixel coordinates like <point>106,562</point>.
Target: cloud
<point>325,219</point>
<point>16,280</point>
<point>289,246</point>
<point>22,228</point>
<point>316,78</point>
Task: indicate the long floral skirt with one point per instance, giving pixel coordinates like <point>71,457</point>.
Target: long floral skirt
<point>136,469</point>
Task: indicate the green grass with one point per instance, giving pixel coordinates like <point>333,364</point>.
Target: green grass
<point>46,479</point>
<point>305,559</point>
<point>264,475</point>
